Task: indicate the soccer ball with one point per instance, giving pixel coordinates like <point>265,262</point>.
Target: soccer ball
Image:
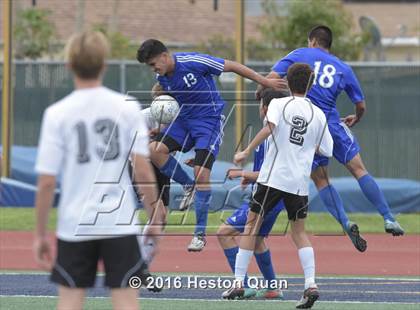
<point>164,109</point>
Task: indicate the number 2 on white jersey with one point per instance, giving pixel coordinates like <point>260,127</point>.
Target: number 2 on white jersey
<point>326,79</point>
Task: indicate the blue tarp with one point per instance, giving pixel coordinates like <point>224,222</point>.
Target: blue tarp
<point>402,195</point>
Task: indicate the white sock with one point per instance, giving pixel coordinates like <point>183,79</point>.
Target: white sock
<point>307,260</point>
<point>241,265</point>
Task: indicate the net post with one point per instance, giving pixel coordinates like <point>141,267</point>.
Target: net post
<point>239,41</point>
<point>6,94</point>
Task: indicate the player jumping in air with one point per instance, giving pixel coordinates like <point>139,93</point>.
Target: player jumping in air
<point>85,140</point>
<point>235,224</point>
<point>332,76</point>
<point>298,129</point>
<point>188,77</point>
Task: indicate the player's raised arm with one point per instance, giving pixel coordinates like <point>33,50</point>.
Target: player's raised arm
<point>263,134</point>
<point>240,69</point>
<point>271,75</point>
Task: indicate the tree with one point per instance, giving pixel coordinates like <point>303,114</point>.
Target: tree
<point>33,33</point>
<point>224,47</point>
<point>291,31</point>
<point>119,43</point>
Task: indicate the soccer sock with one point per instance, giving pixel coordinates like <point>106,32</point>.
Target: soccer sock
<point>372,192</point>
<point>231,257</point>
<point>265,265</point>
<point>241,266</point>
<point>173,170</point>
<point>201,206</point>
<point>307,260</point>
<point>334,204</point>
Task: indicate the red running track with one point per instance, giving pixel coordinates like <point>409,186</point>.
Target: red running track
<point>385,256</point>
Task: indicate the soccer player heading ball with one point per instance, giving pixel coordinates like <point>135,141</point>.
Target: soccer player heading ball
<point>332,76</point>
<point>188,77</point>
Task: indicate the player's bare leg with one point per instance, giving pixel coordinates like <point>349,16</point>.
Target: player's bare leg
<point>265,293</point>
<point>246,249</point>
<point>226,236</point>
<point>70,298</point>
<point>159,153</point>
<point>202,188</point>
<point>125,298</point>
<point>307,260</point>
<point>334,204</point>
<point>373,193</point>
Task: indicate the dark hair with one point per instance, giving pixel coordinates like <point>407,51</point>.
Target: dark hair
<point>269,94</point>
<point>322,35</point>
<point>149,49</point>
<point>300,78</point>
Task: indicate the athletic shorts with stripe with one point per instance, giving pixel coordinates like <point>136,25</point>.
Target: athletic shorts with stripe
<point>238,219</point>
<point>200,134</point>
<point>76,262</point>
<point>266,198</point>
<point>345,145</point>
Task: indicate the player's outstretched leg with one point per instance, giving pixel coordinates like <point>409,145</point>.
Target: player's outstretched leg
<point>263,257</point>
<point>246,250</point>
<point>334,204</point>
<point>201,207</point>
<point>202,200</point>
<point>167,164</point>
<point>374,194</point>
<point>226,236</point>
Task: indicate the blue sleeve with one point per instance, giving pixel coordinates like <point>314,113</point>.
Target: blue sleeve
<point>283,64</point>
<point>207,64</point>
<point>352,87</point>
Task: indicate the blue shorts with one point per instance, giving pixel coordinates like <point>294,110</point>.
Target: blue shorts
<point>345,146</point>
<point>238,218</point>
<point>191,133</point>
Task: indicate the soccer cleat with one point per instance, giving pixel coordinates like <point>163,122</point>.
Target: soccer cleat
<point>394,228</point>
<point>269,294</point>
<point>249,293</point>
<point>197,243</point>
<point>188,199</point>
<point>234,293</point>
<point>352,231</point>
<point>310,295</point>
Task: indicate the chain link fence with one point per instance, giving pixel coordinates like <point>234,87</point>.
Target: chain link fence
<point>389,134</point>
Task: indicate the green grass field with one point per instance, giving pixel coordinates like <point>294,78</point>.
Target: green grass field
<point>41,303</point>
<point>318,223</point>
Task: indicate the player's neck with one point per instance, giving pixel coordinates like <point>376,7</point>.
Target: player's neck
<point>83,84</point>
<point>298,95</point>
<point>321,48</point>
<point>171,67</point>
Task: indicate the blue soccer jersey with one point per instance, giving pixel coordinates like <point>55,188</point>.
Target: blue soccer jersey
<point>332,76</point>
<point>193,86</point>
<point>259,155</point>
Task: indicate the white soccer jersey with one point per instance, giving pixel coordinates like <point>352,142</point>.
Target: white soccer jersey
<point>86,139</point>
<point>300,129</point>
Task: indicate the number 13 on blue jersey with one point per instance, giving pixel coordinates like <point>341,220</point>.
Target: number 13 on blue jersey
<point>190,80</point>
